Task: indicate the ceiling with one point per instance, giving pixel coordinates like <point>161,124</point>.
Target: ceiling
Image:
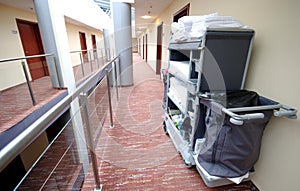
<point>141,7</point>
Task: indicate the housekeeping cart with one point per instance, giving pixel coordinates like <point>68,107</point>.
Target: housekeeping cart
<point>208,122</point>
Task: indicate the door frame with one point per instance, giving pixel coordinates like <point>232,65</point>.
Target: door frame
<point>39,44</point>
<point>159,48</point>
<point>146,51</point>
<point>83,45</point>
<point>94,46</point>
<point>143,47</point>
<point>185,11</point>
<point>94,42</point>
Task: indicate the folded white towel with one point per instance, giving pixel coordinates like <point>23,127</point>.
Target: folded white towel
<point>194,27</point>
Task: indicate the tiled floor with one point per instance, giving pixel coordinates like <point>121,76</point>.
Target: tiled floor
<point>82,71</point>
<point>136,154</point>
<point>16,102</point>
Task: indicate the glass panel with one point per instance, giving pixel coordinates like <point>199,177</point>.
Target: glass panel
<point>60,168</point>
<point>78,68</point>
<point>98,108</point>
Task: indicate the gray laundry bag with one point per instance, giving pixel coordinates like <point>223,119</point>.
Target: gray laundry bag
<point>231,150</point>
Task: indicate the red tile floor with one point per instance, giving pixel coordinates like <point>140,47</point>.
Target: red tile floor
<point>16,102</point>
<point>136,154</point>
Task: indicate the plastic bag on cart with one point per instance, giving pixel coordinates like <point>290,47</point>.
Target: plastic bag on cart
<point>241,98</point>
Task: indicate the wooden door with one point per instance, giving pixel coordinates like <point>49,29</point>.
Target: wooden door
<point>146,44</point>
<point>143,47</point>
<point>139,47</point>
<point>159,48</point>
<point>32,45</point>
<point>95,56</point>
<point>94,42</point>
<point>83,46</point>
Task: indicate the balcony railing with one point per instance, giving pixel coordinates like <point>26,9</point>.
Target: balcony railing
<point>13,67</point>
<point>86,62</point>
<point>63,158</point>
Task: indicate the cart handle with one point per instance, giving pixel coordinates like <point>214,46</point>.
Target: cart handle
<point>279,110</point>
<point>238,119</point>
<point>288,112</point>
<point>283,111</point>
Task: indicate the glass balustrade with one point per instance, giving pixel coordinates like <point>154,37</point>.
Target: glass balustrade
<point>70,155</point>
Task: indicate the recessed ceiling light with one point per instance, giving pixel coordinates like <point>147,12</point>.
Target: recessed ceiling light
<point>146,17</point>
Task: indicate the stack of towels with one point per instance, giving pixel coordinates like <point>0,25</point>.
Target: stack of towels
<point>191,28</point>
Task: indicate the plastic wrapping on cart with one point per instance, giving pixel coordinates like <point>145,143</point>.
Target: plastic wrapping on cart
<point>242,98</point>
<point>231,150</point>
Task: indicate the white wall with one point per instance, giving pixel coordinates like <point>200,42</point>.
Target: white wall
<point>152,38</point>
<point>134,43</point>
<point>87,12</point>
<point>273,72</point>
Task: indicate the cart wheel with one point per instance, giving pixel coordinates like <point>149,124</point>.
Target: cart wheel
<point>188,165</point>
<point>165,128</point>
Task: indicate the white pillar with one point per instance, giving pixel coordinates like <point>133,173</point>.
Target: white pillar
<point>47,33</point>
<point>52,26</point>
<point>123,43</point>
<point>106,44</point>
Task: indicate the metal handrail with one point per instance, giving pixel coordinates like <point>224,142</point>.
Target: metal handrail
<point>17,145</point>
<point>78,51</point>
<point>23,58</point>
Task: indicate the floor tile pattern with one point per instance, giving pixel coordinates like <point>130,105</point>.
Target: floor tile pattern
<point>136,154</point>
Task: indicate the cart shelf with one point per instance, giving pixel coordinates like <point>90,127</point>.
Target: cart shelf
<point>182,146</point>
<point>172,95</point>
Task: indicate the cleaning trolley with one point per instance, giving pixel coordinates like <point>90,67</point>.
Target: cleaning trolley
<point>212,121</point>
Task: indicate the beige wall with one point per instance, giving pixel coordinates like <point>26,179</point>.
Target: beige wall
<point>152,38</point>
<point>273,72</point>
<point>11,73</point>
<point>166,19</point>
<point>134,43</point>
<point>34,150</point>
<point>74,41</point>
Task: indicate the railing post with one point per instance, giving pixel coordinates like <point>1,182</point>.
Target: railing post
<point>96,57</point>
<point>28,83</point>
<point>103,61</point>
<point>81,63</point>
<point>116,79</point>
<point>83,98</point>
<point>109,99</point>
<point>118,70</point>
<point>56,73</point>
<point>90,59</point>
